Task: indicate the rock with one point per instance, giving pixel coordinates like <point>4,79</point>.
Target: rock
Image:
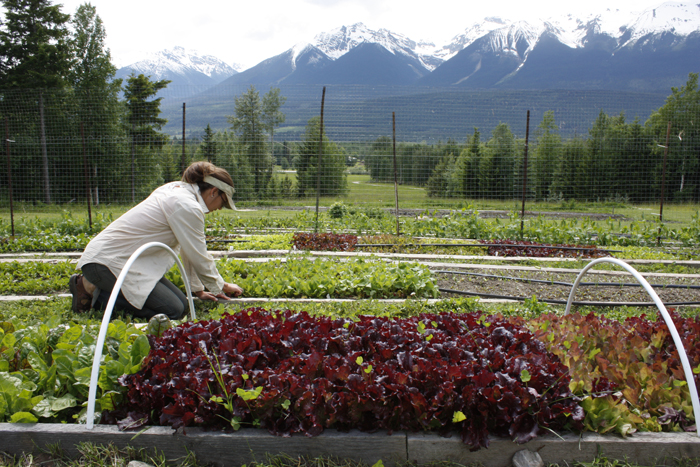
<point>138,464</point>
<point>525,458</point>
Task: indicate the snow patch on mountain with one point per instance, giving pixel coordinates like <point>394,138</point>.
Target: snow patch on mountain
<point>512,38</point>
<point>296,51</point>
<point>182,61</point>
<point>470,34</point>
<point>680,18</point>
<point>569,30</point>
<point>339,41</point>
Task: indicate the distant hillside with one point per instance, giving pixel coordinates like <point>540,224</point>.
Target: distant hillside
<point>422,114</point>
<point>494,72</point>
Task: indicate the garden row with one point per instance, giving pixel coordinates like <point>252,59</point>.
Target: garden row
<point>69,233</point>
<point>290,372</point>
<point>300,277</point>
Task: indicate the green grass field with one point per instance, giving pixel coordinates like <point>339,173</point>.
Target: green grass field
<point>365,193</point>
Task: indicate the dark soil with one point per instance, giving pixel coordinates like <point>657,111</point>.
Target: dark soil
<point>615,293</point>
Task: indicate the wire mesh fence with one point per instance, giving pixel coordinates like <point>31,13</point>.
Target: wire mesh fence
<point>67,145</point>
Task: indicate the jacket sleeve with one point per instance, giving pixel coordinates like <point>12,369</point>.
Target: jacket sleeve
<point>188,226</point>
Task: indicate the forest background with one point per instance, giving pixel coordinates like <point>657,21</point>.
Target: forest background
<point>73,132</point>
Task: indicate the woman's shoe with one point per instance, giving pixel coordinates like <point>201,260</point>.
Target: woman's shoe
<point>82,301</point>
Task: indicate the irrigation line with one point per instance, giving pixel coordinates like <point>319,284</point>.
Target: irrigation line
<point>229,240</point>
<point>480,245</point>
<point>562,302</point>
<point>569,284</point>
<point>484,245</point>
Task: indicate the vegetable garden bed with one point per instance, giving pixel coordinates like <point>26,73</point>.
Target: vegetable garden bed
<point>624,373</point>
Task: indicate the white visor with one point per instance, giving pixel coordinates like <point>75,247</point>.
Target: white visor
<point>226,189</point>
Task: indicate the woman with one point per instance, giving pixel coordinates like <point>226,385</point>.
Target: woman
<point>174,215</point>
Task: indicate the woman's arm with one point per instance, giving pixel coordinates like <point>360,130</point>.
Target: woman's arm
<point>187,224</point>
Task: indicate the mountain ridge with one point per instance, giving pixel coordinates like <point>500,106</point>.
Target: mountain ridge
<point>492,53</point>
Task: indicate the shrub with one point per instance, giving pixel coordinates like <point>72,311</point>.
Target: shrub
<point>338,210</point>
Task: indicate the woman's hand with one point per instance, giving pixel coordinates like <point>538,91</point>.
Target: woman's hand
<point>204,295</point>
<point>229,290</point>
<point>232,290</point>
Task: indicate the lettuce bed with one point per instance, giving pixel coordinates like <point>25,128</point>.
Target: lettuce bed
<point>292,373</point>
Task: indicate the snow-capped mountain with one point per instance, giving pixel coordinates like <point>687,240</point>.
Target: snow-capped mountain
<point>678,18</point>
<point>648,51</point>
<point>347,55</point>
<point>340,41</point>
<point>625,50</point>
<point>469,35</point>
<point>182,67</point>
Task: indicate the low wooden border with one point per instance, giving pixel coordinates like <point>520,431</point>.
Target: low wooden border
<point>249,445</point>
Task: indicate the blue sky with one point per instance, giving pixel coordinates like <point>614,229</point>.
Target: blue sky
<point>249,31</point>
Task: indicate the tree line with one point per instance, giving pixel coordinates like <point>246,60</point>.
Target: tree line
<point>62,105</point>
<point>249,152</point>
<point>616,160</point>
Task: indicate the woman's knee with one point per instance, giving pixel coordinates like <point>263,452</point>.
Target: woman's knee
<point>173,310</point>
<point>169,302</point>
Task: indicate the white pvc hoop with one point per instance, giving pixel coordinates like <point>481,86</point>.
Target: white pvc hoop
<point>99,346</point>
<point>667,319</point>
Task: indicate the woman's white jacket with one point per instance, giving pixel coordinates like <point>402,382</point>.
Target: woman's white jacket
<point>174,215</point>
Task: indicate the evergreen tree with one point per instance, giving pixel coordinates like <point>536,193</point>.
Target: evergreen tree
<point>143,122</point>
<point>497,167</point>
<point>637,165</point>
<point>334,180</point>
<point>592,176</point>
<point>682,109</point>
<point>416,163</point>
<point>272,117</point>
<point>248,125</point>
<point>34,49</point>
<point>230,156</point>
<point>92,62</point>
<point>34,54</point>
<point>547,154</point>
<point>617,163</point>
<point>464,182</point>
<point>97,104</point>
<point>566,182</point>
<point>208,148</point>
<point>438,183</point>
<point>379,163</point>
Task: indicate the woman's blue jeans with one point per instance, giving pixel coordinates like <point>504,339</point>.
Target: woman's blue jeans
<point>165,297</point>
